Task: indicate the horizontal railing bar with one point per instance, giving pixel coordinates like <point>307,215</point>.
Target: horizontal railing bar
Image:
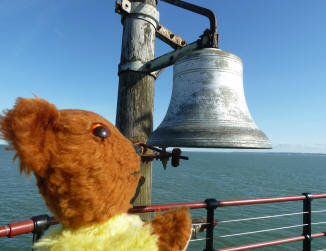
<point>153,208</point>
<point>263,244</point>
<point>317,235</point>
<point>21,227</point>
<point>24,227</point>
<point>270,243</point>
<point>260,231</point>
<point>319,196</point>
<point>228,203</point>
<point>261,217</point>
<point>222,203</point>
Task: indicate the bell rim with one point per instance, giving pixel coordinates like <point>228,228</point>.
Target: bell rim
<point>251,139</point>
<point>218,145</point>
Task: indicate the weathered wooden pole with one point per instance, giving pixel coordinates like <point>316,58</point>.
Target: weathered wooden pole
<point>134,116</point>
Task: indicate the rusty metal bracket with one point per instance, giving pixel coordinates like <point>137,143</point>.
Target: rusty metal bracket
<point>169,37</point>
<point>147,154</point>
<point>126,7</point>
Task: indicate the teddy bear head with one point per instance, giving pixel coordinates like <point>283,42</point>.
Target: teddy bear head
<point>86,170</point>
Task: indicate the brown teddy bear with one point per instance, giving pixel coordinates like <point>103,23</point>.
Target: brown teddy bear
<point>87,173</point>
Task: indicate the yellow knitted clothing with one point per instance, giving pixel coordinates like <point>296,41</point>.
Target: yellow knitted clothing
<point>122,232</point>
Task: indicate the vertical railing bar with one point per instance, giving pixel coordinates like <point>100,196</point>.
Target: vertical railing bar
<point>211,206</point>
<point>306,244</point>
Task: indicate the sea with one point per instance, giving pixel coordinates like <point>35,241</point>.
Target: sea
<point>219,175</point>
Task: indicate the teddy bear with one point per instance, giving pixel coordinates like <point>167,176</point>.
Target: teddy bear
<point>87,172</point>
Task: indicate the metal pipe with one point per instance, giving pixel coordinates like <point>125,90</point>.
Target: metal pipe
<point>27,226</point>
<point>18,228</point>
<point>153,208</point>
<point>270,243</point>
<point>228,203</point>
<point>263,244</point>
<point>21,227</point>
<point>170,58</point>
<point>319,195</point>
<point>202,11</point>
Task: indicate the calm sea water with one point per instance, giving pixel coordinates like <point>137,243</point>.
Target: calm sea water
<point>223,176</point>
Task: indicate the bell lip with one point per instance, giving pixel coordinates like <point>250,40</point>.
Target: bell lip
<point>219,137</point>
<point>264,143</point>
<point>267,146</point>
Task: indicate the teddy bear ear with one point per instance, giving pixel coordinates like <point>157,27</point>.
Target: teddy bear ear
<point>25,128</point>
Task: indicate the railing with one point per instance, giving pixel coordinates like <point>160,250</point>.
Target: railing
<point>37,225</point>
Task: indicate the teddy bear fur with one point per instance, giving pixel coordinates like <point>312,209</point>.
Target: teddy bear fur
<point>84,179</point>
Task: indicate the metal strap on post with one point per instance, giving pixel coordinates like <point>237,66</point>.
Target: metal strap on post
<point>211,206</point>
<point>139,10</point>
<point>307,222</point>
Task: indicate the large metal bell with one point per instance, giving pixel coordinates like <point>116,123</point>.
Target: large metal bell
<point>208,107</point>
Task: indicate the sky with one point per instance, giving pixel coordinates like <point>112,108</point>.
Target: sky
<point>68,53</point>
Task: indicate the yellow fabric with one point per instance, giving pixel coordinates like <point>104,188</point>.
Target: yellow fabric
<point>122,232</point>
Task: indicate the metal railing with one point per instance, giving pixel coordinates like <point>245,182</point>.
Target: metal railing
<point>38,224</point>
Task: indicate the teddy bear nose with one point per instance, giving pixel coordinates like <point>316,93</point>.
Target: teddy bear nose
<point>101,131</point>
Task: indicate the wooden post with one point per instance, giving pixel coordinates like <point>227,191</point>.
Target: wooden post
<point>134,116</point>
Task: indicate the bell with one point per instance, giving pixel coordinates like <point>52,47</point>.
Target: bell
<point>208,107</point>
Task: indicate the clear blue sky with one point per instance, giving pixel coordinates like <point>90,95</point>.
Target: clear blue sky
<point>68,53</point>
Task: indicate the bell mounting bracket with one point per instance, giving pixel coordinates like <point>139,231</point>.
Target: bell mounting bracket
<point>147,154</point>
<point>209,39</point>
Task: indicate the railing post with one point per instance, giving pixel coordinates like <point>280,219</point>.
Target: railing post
<point>41,223</point>
<point>307,222</point>
<point>211,206</point>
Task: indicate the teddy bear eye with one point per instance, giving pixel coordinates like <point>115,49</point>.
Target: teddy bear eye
<point>101,131</point>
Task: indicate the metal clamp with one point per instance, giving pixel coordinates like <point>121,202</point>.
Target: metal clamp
<point>131,66</point>
<point>200,225</point>
<point>134,66</point>
<point>139,10</point>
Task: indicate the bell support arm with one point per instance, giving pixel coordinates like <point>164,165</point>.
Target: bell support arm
<point>208,39</point>
<point>202,11</point>
<point>166,59</point>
